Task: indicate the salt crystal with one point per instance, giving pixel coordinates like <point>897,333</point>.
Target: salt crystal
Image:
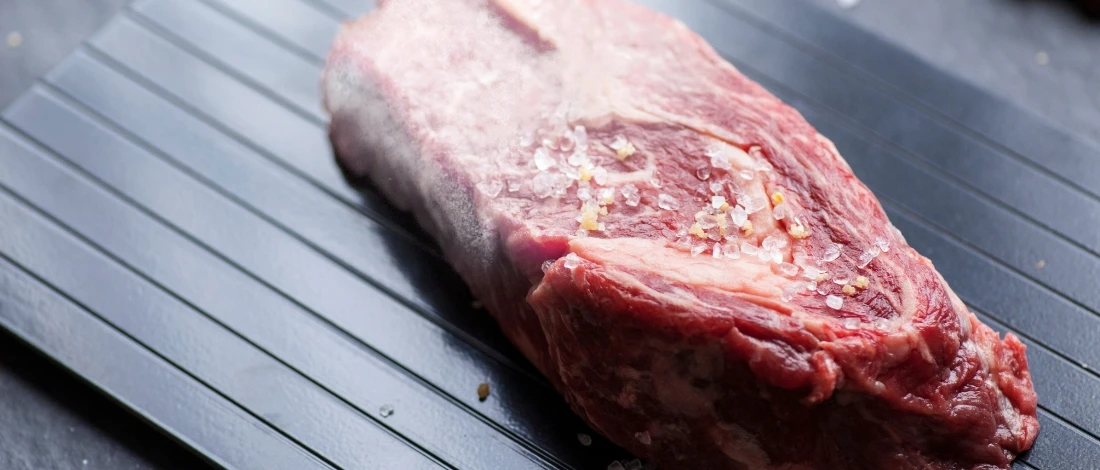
<point>738,216</point>
<point>716,251</point>
<point>721,161</point>
<point>834,302</point>
<point>842,279</point>
<point>717,202</point>
<point>572,261</point>
<point>706,221</point>
<point>582,232</point>
<point>644,438</point>
<point>811,272</point>
<point>656,183</point>
<point>543,161</point>
<point>526,140</point>
<point>666,202</point>
<point>868,255</point>
<point>578,158</point>
<point>732,252</point>
<point>882,244</point>
<point>583,193</point>
<point>851,323</point>
<point>493,188</point>
<point>779,212</point>
<point>634,465</point>
<point>762,165</point>
<point>714,149</point>
<point>580,135</point>
<point>715,187</point>
<point>746,174</point>
<point>831,253</point>
<point>549,143</point>
<point>770,256</point>
<point>812,285</point>
<point>792,290</point>
<point>772,242</point>
<point>788,269</point>
<point>385,411</point>
<point>607,196</point>
<point>566,142</point>
<point>561,184</point>
<point>571,173</point>
<point>618,143</point>
<point>546,265</point>
<point>749,249</point>
<point>616,465</point>
<point>599,175</point>
<point>702,173</point>
<point>630,192</point>
<point>514,185</point>
<point>753,204</point>
<point>543,185</point>
<point>697,249</point>
<point>584,439</point>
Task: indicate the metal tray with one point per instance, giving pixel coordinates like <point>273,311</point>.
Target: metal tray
<point>173,229</point>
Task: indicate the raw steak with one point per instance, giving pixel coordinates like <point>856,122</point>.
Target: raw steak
<point>692,265</point>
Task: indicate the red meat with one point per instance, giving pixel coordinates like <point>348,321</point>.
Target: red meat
<point>693,266</point>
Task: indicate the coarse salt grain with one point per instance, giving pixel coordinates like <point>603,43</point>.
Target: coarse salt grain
<point>580,136</point>
<point>643,437</point>
<point>738,216</point>
<point>732,252</point>
<point>749,249</point>
<point>868,255</point>
<point>666,202</point>
<point>543,161</point>
<point>697,249</point>
<point>543,185</point>
<point>882,244</point>
<point>779,212</point>
<point>715,187</point>
<point>790,291</point>
<point>716,251</point>
<point>788,269</point>
<point>717,202</point>
<point>772,242</point>
<point>831,253</point>
<point>746,174</point>
<point>630,194</point>
<point>599,175</point>
<point>493,188</point>
<point>703,173</point>
<point>834,302</point>
<point>618,142</point>
<point>607,196</point>
<point>571,261</point>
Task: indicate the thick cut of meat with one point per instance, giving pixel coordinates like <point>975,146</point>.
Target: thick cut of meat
<point>692,265</point>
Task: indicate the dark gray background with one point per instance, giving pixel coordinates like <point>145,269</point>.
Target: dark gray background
<point>49,420</point>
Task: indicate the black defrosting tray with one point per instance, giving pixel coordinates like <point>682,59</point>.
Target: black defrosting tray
<point>173,229</point>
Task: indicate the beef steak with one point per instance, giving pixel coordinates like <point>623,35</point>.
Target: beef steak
<point>692,265</point>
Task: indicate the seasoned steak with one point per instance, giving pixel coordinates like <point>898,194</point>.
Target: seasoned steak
<point>692,265</point>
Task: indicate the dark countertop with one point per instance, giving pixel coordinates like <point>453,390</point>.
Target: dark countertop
<point>51,420</point>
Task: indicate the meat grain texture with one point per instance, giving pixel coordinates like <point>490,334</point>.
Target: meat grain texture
<point>692,265</point>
